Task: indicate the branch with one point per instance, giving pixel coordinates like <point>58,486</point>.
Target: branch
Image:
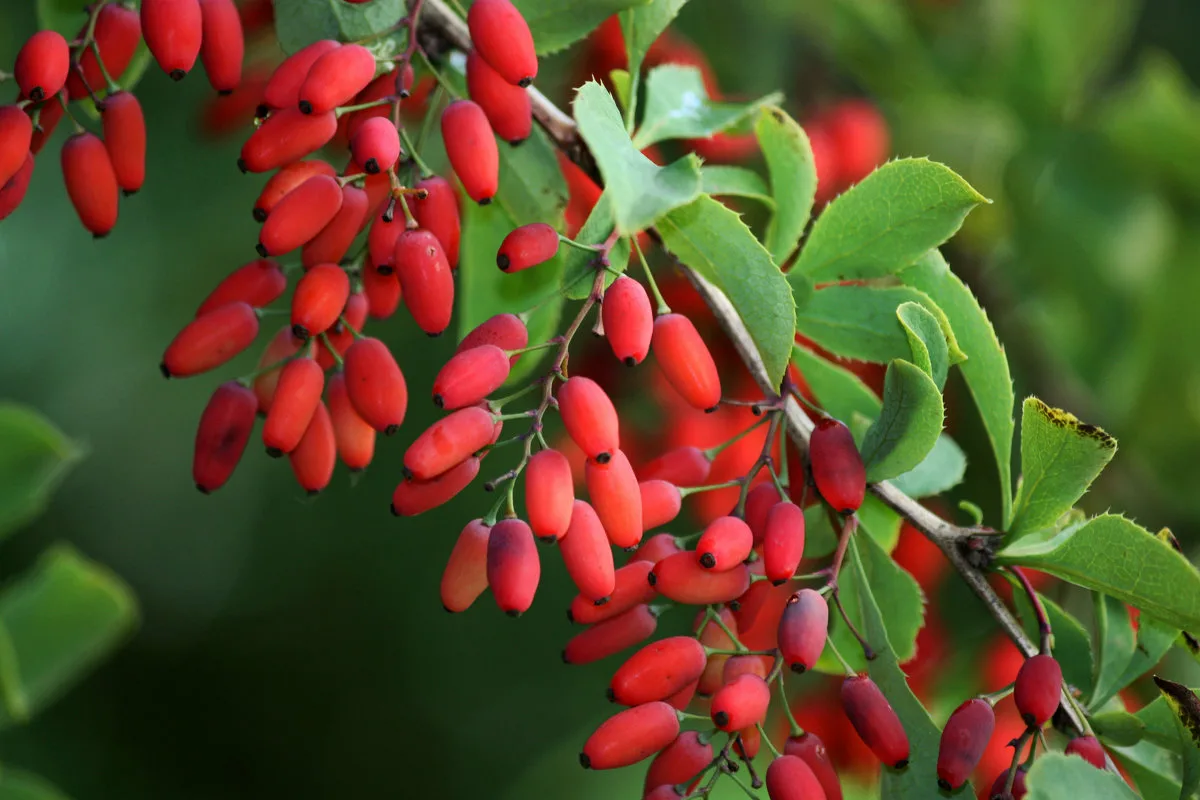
<point>444,27</point>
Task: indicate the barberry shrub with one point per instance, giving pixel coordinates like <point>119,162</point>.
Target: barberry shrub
<point>796,326</point>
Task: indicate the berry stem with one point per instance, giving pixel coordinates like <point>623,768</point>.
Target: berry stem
<point>533,348</point>
<point>849,526</point>
<point>337,357</point>
<point>1016,761</point>
<point>112,85</point>
<point>716,450</point>
<point>1038,609</point>
<point>767,739</point>
<point>850,671</point>
<point>687,491</point>
<point>411,149</point>
<point>741,784</point>
<point>661,306</point>
<point>342,111</point>
<point>569,242</point>
<point>868,652</point>
<point>793,726</point>
<point>995,697</point>
<point>712,616</point>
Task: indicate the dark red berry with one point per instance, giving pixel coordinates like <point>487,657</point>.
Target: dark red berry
<point>507,107</point>
<point>587,554</point>
<point>963,741</point>
<point>125,139</point>
<point>470,376</point>
<point>611,636</point>
<point>225,428</point>
<point>437,212</point>
<point>875,721</point>
<point>1038,689</point>
<point>803,629</point>
<point>210,340</point>
<point>315,457</point>
<point>513,567</point>
<point>837,467</point>
<point>426,281</point>
<point>589,417</point>
<point>1089,749</point>
<point>465,577</point>
<point>791,778</point>
<point>809,748</point>
<point>283,89</point>
<point>376,385</point>
<point>335,78</point>
<point>502,37</point>
<point>173,30</point>
<point>725,544</point>
<point>319,299</point>
<point>658,670</point>
<point>741,703</point>
<point>549,494</point>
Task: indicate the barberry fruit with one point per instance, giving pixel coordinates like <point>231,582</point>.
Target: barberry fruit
<point>284,137</point>
<point>1037,689</point>
<point>16,135</point>
<point>376,385</point>
<point>686,361</point>
<point>783,542</point>
<point>320,296</point>
<point>300,216</point>
<point>225,428</point>
<point>335,78</point>
<point>661,503</point>
<point>507,107</point>
<point>628,320</point>
<point>285,180</point>
<point>315,457</point>
<point>513,567</point>
<point>91,182</point>
<point>471,148</point>
<point>470,376</point>
<point>656,548</point>
<point>630,588</point>
<point>963,741</point>
<point>355,438</point>
<point>683,466</point>
<point>210,340</point>
<point>259,283</point>
<point>502,37</point>
<point>465,576</point>
<point>1089,749</point>
<point>13,191</point>
<point>549,494</point>
<point>587,554</point>
<point>809,748</point>
<point>448,442</point>
<point>282,345</point>
<point>837,467</point>
<point>173,30</point>
<point>376,145</point>
<point>333,240</point>
<point>42,65</point>
<point>283,89</point>
<point>505,331</point>
<point>725,543</point>
<point>802,629</point>
<point>117,34</point>
<point>413,497</point>
<point>125,139</point>
<point>297,395</point>
<point>527,246</point>
<point>426,281</point>
<point>1018,788</point>
<point>223,44</point>
<point>613,488</point>
<point>589,417</point>
<point>679,762</point>
<point>714,636</point>
<point>790,778</point>
<point>437,212</point>
<point>382,291</point>
<point>657,671</point>
<point>875,721</point>
<point>611,636</point>
<point>681,578</point>
<point>741,703</point>
<point>341,334</point>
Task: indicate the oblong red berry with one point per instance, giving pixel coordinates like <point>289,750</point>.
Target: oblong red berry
<point>791,778</point>
<point>527,246</point>
<point>965,737</point>
<point>282,345</point>
<point>725,544</point>
<point>837,467</point>
<point>507,107</point>
<point>13,191</point>
<point>748,742</point>
<point>286,179</point>
<point>549,494</point>
<point>628,320</point>
<point>630,588</point>
<point>683,466</point>
<point>383,292</point>
<point>665,791</point>
<point>875,721</point>
<point>1037,689</point>
<point>300,216</point>
<point>631,736</point>
<point>341,334</point>
<point>376,385</point>
<point>783,542</point>
<point>613,488</point>
<point>223,44</point>
<point>259,283</point>
<point>686,361</point>
<point>741,703</point>
<point>656,548</point>
<point>426,281</point>
<point>589,417</point>
<point>117,35</point>
<point>286,136</point>
<point>661,503</point>
<point>809,748</point>
<point>681,578</point>
<point>42,65</point>
<point>335,78</point>
<point>1018,789</point>
<point>91,182</point>
<point>470,376</point>
<point>465,576</point>
<point>502,37</point>
<point>225,428</point>
<point>381,240</point>
<point>738,666</point>
<point>759,502</point>
<point>297,395</point>
<point>471,148</point>
<point>315,457</point>
<point>587,554</point>
<point>210,340</point>
<point>803,629</point>
<point>679,762</point>
<point>611,636</point>
<point>413,497</point>
<point>125,139</point>
<point>714,636</point>
<point>437,212</point>
<point>173,30</point>
<point>334,239</point>
<point>283,89</point>
<point>658,670</point>
<point>505,331</point>
<point>1089,749</point>
<point>376,145</point>
<point>513,566</point>
<point>448,442</point>
<point>320,296</point>
<point>383,87</point>
<point>354,437</point>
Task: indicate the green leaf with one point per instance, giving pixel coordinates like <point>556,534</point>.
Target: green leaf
<point>622,85</point>
<point>725,181</point>
<point>301,22</point>
<point>362,20</point>
<point>1060,457</point>
<point>889,220</point>
<point>938,472</point>
<point>641,191</point>
<point>929,349</point>
<point>908,426</point>
<point>1055,776</point>
<point>1159,721</point>
<point>1186,705</point>
<point>486,291</point>
<point>860,322</point>
<point>60,619</point>
<point>1118,727</point>
<point>556,24</point>
<point>789,158</point>
<point>986,366</point>
<point>578,265</point>
<point>20,785</point>
<point>532,187</point>
<point>642,24</point>
<point>880,522</point>
<point>1113,555</point>
<point>1072,645</point>
<point>838,390</point>
<point>64,16</point>
<point>713,240</point>
<point>1154,769</point>
<point>1154,639</point>
<point>1115,646</point>
<point>34,458</point>
<point>678,107</point>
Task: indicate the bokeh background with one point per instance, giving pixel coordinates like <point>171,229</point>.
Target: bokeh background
<point>297,648</point>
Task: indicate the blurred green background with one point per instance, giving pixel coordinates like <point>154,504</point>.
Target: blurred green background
<point>295,647</point>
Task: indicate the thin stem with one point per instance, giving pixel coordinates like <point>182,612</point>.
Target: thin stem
<point>411,149</point>
<point>342,111</point>
<point>112,85</point>
<point>767,740</point>
<point>661,306</point>
<point>793,726</point>
<point>533,348</point>
<point>839,555</point>
<point>716,617</point>
<point>868,652</point>
<point>1016,761</point>
<point>1039,610</point>
<point>850,671</point>
<point>687,491</point>
<point>337,357</point>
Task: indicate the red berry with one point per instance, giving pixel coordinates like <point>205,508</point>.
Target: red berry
<point>13,191</point>
<point>465,577</point>
<point>286,136</point>
<point>333,240</point>
<point>802,629</point>
<point>355,438</point>
<point>507,107</point>
<point>319,298</point>
<point>117,35</point>
<point>285,180</point>
<point>748,742</point>
<point>963,741</point>
<point>297,395</point>
<point>628,320</point>
<point>809,748</point>
<point>381,240</point>
<point>683,466</point>
<point>341,333</point>
<point>471,148</point>
<point>725,544</point>
<point>42,65</point>
<point>741,703</point>
<point>437,212</point>
<point>790,778</point>
<point>376,145</point>
<point>173,30</point>
<point>125,139</point>
<point>661,502</point>
<point>448,442</point>
<point>686,362</point>
<point>234,111</point>
<point>502,37</point>
<point>681,578</point>
<point>1089,749</point>
<point>630,588</point>
<point>300,216</point>
<point>658,671</point>
<point>587,554</point>
<point>413,497</point>
<point>335,78</point>
<point>470,376</point>
<point>666,791</point>
<point>91,182</point>
<point>223,45</point>
<point>862,138</point>
<point>549,494</point>
<point>837,468</point>
<point>282,345</point>
<point>614,490</point>
<point>210,340</point>
<point>527,246</point>
<point>678,763</point>
<point>631,736</point>
<point>1037,689</point>
<point>783,542</point>
<point>513,568</point>
<point>376,385</point>
<point>283,89</point>
<point>656,548</point>
<point>225,427</point>
<point>382,88</point>
<point>759,502</point>
<point>382,291</point>
<point>714,636</point>
<point>1018,788</point>
<point>505,331</point>
<point>426,282</point>
<point>874,721</point>
<point>589,417</point>
<point>611,636</point>
<point>314,458</point>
